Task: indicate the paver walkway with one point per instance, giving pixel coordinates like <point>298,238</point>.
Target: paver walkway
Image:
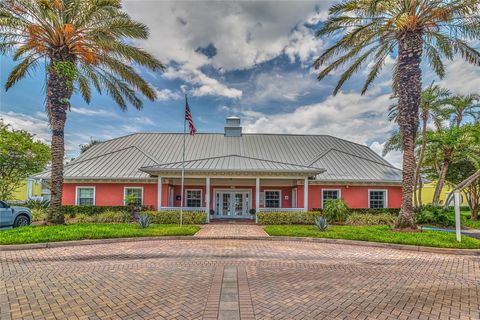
<point>222,230</point>
<point>236,279</point>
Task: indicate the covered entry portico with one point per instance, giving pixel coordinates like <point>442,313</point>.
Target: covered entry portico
<point>229,203</point>
<point>228,193</point>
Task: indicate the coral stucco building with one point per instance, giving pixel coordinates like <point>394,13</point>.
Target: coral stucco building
<point>227,174</point>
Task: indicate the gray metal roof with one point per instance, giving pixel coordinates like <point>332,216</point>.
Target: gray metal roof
<point>124,156</point>
<point>233,163</point>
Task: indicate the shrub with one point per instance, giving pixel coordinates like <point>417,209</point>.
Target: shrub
<point>173,217</point>
<point>336,210</point>
<point>36,204</point>
<point>39,214</point>
<point>436,216</point>
<point>269,218</point>
<point>72,211</point>
<point>321,223</point>
<point>143,220</point>
<point>368,219</point>
<point>110,216</point>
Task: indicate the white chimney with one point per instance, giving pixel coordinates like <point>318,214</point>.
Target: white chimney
<point>232,127</point>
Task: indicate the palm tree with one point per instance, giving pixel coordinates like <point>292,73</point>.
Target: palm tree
<point>82,43</point>
<point>432,99</point>
<point>455,112</point>
<point>372,30</point>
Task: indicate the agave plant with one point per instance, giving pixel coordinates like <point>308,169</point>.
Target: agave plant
<point>321,223</point>
<point>143,220</point>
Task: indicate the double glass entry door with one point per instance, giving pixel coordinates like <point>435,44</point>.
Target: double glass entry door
<point>232,204</point>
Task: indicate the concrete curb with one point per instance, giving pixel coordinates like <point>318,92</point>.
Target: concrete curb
<point>466,252</point>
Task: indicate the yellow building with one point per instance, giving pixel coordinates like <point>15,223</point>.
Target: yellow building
<point>429,189</point>
<point>30,189</point>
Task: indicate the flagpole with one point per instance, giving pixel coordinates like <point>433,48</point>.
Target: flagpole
<point>183,164</point>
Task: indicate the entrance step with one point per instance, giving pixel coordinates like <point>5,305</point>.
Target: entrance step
<point>223,230</point>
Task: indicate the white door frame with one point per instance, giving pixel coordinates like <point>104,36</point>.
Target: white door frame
<point>232,197</point>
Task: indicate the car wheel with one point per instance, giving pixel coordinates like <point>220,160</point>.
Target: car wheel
<point>21,221</point>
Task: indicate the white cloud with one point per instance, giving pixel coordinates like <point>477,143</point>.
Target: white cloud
<point>204,85</point>
<point>36,124</point>
<point>167,94</point>
<point>304,45</point>
<point>244,34</point>
<point>394,157</point>
<point>91,112</point>
<point>461,77</point>
<point>281,86</point>
<point>347,115</point>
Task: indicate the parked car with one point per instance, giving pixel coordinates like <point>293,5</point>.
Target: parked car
<point>12,217</point>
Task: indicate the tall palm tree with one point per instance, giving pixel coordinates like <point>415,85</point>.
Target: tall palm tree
<point>432,99</point>
<point>371,30</point>
<point>82,43</point>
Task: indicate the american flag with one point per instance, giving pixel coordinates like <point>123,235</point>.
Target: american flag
<point>188,118</point>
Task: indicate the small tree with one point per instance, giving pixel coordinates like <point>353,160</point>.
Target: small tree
<point>20,156</point>
<point>336,210</point>
<point>458,172</point>
<point>131,201</point>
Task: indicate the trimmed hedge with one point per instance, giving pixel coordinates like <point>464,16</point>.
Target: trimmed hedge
<point>173,217</point>
<point>368,219</point>
<point>104,217</point>
<point>287,217</point>
<point>72,211</point>
<point>394,211</point>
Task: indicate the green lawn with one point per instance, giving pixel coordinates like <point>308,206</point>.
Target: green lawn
<point>36,234</point>
<point>376,234</point>
<point>469,223</point>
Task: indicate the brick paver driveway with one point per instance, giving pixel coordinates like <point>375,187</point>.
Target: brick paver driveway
<point>233,279</point>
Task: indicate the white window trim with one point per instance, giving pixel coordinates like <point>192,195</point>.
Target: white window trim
<point>85,187</point>
<point>125,193</point>
<point>386,197</point>
<point>332,189</point>
<point>265,198</point>
<point>201,197</point>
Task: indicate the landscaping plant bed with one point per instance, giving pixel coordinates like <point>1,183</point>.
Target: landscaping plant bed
<point>383,234</point>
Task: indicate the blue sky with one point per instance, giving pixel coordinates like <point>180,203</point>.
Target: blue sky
<point>250,59</point>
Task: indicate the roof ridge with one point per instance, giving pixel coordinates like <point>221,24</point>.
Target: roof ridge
<point>234,155</point>
<point>360,157</point>
<point>108,153</point>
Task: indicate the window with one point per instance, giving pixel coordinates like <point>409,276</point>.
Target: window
<point>134,192</point>
<point>377,198</point>
<point>3,205</point>
<point>85,196</point>
<point>193,198</point>
<point>272,199</point>
<point>329,194</point>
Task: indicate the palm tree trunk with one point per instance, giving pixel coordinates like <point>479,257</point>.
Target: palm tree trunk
<point>441,177</point>
<point>418,178</point>
<point>409,94</point>
<point>59,91</point>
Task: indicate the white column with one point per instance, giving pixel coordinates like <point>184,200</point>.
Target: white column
<point>257,198</point>
<point>29,188</point>
<point>305,194</point>
<point>207,198</point>
<point>159,193</point>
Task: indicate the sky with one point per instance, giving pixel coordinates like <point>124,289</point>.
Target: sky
<point>249,59</point>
